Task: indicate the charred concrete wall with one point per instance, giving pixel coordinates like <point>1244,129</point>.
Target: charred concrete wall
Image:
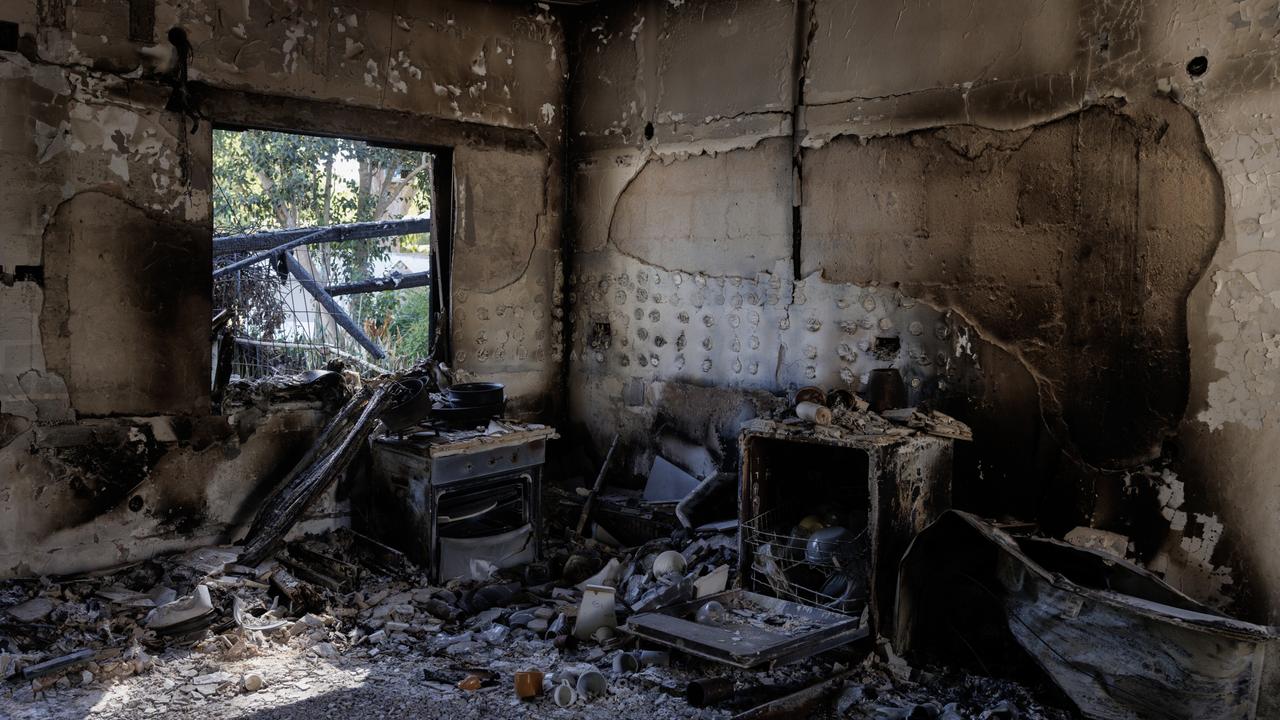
<point>1055,219</point>
<point>108,449</point>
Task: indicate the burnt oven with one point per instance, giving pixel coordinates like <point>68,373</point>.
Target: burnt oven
<point>458,505</point>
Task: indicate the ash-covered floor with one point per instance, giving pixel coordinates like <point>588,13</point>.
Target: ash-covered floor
<point>397,646</point>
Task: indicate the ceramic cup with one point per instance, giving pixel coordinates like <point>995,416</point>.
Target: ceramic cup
<point>591,684</point>
<point>564,696</point>
<point>625,662</point>
<point>650,658</point>
<point>528,684</point>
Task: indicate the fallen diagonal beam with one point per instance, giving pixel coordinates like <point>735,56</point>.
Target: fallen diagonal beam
<point>394,281</point>
<point>340,316</point>
<point>273,239</point>
<point>333,451</point>
<point>301,240</point>
<point>599,484</point>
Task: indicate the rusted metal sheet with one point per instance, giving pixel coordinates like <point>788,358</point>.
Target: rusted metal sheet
<point>1119,642</point>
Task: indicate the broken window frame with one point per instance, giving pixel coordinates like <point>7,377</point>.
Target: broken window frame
<point>274,246</point>
<point>249,111</point>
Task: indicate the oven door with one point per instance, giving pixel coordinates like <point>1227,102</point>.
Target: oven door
<point>484,525</point>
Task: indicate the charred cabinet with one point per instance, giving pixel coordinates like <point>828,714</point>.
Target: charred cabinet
<point>825,513</point>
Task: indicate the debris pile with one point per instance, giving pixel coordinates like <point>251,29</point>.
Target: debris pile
<point>641,619</point>
<point>330,388</point>
<point>546,634</point>
<point>892,690</point>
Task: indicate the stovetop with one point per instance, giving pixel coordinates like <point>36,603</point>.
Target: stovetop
<point>502,448</point>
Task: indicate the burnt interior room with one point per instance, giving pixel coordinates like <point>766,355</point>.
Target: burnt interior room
<point>639,358</point>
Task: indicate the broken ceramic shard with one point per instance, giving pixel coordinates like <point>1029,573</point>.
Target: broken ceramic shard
<point>183,613</point>
<point>711,583</point>
<point>244,620</point>
<point>595,611</point>
<point>608,575</point>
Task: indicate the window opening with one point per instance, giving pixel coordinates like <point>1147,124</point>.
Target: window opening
<point>322,254</point>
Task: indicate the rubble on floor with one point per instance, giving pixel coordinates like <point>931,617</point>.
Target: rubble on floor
<point>340,617</point>
<point>647,618</point>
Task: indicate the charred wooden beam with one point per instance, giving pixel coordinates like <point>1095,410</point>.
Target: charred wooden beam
<point>288,245</point>
<point>275,239</point>
<point>333,451</point>
<point>340,316</point>
<point>799,704</point>
<point>394,281</point>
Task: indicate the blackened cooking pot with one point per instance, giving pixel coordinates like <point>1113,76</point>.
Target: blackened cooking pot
<point>475,394</point>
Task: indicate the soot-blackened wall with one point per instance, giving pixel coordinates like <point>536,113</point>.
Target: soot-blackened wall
<point>1064,229</point>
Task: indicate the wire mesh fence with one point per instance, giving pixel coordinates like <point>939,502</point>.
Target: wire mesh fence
<point>278,327</point>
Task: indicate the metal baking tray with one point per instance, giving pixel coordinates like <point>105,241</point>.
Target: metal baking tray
<point>756,629</point>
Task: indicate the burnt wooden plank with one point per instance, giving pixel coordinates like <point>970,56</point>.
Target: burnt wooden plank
<point>275,239</point>
<point>316,236</point>
<point>394,281</point>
